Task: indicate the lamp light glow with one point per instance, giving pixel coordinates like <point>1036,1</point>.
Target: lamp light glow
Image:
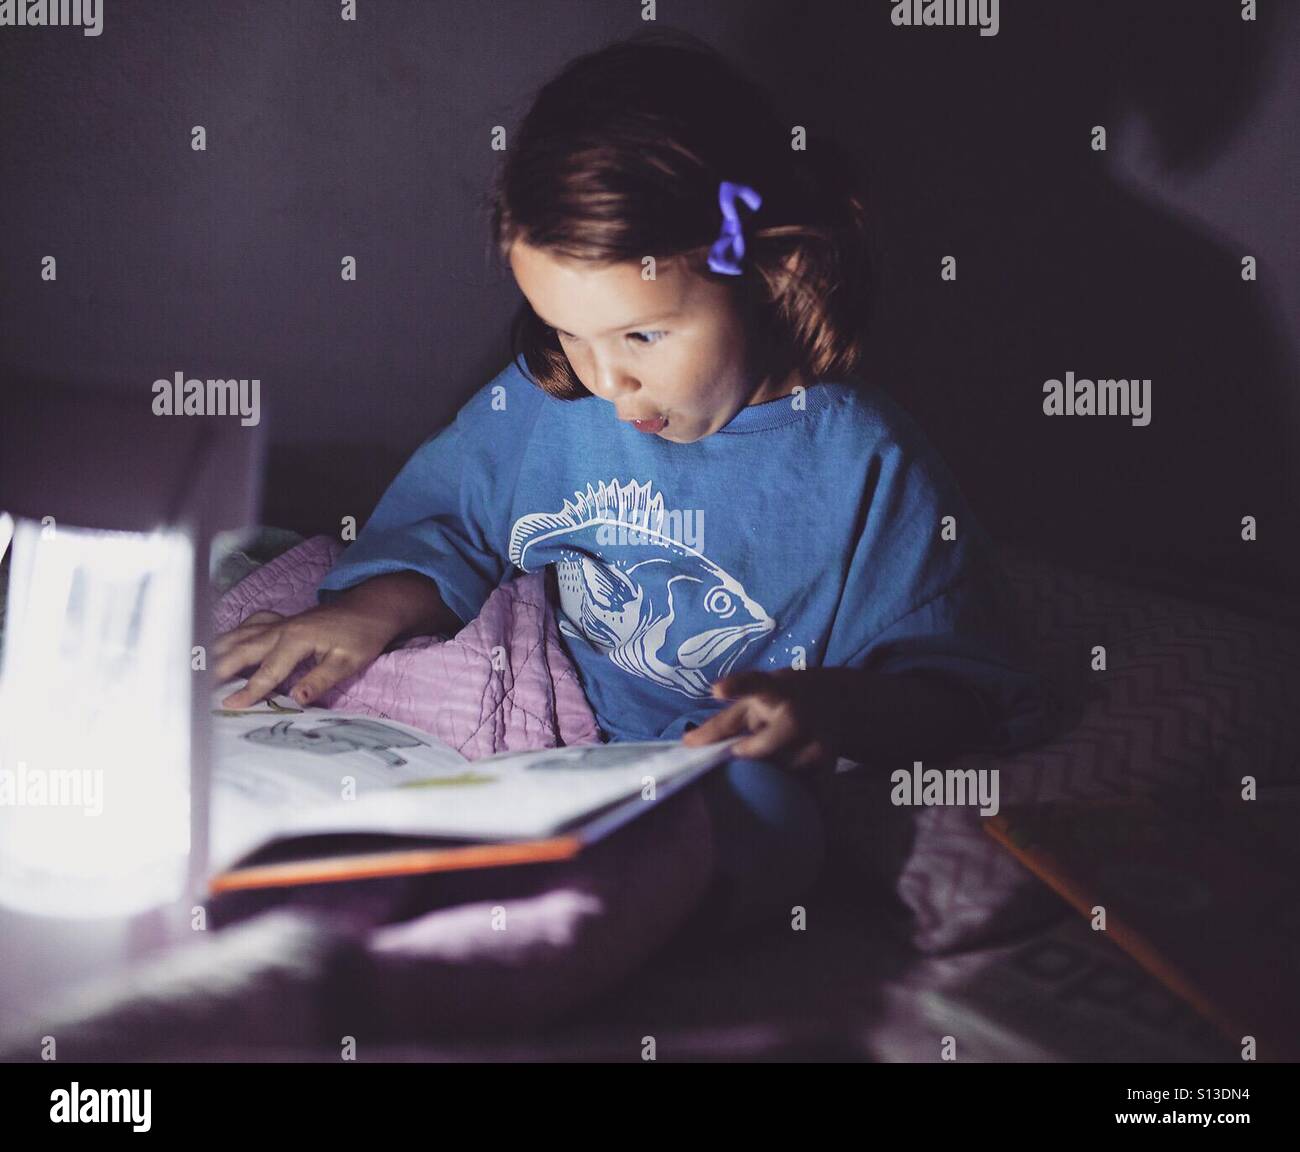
<point>95,700</point>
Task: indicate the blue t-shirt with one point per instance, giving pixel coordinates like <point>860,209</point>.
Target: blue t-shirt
<point>807,532</point>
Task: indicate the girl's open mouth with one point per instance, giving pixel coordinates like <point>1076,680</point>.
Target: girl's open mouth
<point>655,425</point>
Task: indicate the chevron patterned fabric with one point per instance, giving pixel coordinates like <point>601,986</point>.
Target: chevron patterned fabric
<point>1192,697</point>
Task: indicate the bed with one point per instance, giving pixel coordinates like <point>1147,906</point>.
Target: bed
<point>924,939</point>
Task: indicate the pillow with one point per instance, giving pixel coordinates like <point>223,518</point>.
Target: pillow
<point>1192,697</point>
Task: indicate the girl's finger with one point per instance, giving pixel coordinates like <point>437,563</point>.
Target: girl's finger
<point>772,736</point>
<point>275,668</point>
<point>728,722</point>
<point>227,640</point>
<point>813,757</point>
<point>324,676</point>
<point>249,651</point>
<point>264,617</point>
<point>253,626</point>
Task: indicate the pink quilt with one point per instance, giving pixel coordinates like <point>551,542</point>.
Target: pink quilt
<point>503,683</point>
<point>576,929</point>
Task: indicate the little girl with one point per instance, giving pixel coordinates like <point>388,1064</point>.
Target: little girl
<point>743,539</point>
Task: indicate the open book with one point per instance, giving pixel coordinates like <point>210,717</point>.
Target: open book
<point>285,775</point>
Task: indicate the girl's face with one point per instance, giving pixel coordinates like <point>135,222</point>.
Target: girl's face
<point>669,352</point>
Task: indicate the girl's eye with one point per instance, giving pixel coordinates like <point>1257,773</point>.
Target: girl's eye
<point>645,339</point>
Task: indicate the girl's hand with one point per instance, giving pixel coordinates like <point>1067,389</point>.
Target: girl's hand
<point>782,710</point>
<point>343,639</point>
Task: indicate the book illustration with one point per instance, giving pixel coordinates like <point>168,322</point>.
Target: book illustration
<point>271,705</point>
<point>449,781</point>
<point>271,786</point>
<point>338,736</point>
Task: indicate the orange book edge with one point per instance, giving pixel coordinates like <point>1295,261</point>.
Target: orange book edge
<point>371,865</point>
<point>1131,941</point>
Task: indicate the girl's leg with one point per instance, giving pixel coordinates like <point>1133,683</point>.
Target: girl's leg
<point>769,845</point>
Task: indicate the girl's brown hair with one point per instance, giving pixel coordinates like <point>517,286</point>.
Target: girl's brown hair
<point>620,157</point>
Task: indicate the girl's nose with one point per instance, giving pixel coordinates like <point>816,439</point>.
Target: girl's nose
<point>612,383</point>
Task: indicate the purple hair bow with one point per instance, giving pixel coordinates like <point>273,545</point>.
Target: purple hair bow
<point>729,249</point>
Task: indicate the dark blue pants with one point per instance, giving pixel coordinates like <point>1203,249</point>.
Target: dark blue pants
<point>769,841</point>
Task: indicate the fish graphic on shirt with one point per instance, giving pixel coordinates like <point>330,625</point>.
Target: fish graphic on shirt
<point>658,608</point>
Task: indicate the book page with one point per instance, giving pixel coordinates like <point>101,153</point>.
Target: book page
<point>518,795</point>
<point>283,770</point>
<point>276,760</point>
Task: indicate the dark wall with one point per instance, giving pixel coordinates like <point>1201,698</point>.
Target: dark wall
<point>371,139</point>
